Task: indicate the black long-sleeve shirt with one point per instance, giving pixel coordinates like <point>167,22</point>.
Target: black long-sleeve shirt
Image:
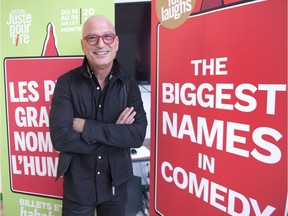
<point>78,94</point>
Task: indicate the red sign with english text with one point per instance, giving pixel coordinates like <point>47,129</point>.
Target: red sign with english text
<point>220,108</point>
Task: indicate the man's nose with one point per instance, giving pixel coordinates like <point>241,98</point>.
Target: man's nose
<point>101,42</point>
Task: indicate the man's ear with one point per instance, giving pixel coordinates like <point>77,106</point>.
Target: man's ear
<point>82,45</point>
<point>117,40</point>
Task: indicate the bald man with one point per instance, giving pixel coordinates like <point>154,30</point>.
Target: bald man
<point>96,116</point>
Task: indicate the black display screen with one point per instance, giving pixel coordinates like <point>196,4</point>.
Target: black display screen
<point>133,27</point>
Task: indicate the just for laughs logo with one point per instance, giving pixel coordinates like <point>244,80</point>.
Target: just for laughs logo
<point>173,13</point>
<point>19,22</point>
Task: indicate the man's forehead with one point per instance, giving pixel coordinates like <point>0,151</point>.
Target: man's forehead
<point>98,24</point>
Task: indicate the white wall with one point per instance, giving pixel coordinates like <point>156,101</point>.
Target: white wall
<point>146,97</point>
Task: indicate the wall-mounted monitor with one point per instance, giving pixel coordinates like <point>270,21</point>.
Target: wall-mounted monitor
<point>133,26</point>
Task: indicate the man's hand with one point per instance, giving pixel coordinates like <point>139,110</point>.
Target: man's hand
<point>127,116</point>
<point>78,124</point>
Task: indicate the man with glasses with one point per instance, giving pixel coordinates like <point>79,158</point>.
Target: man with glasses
<point>96,116</point>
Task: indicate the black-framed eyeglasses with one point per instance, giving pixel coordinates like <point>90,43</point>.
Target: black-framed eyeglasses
<point>94,39</point>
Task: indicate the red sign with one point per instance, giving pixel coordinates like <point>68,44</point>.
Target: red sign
<point>220,92</point>
<point>30,84</point>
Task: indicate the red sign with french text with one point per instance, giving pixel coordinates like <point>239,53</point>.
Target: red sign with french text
<point>30,84</point>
